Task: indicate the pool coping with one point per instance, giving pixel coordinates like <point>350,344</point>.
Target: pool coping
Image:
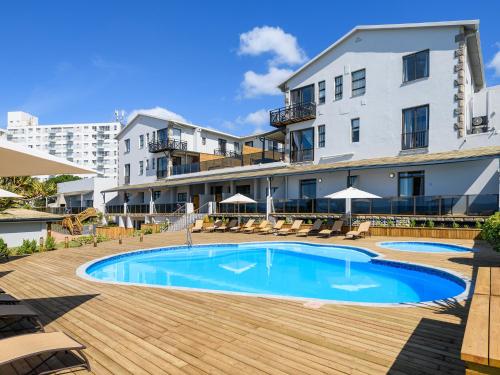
<point>469,249</point>
<point>381,258</point>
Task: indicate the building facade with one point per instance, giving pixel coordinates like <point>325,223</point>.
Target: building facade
<point>401,111</point>
<point>91,145</point>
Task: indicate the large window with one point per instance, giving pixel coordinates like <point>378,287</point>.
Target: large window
<point>141,141</point>
<point>222,145</point>
<point>358,82</point>
<point>339,87</point>
<point>161,167</point>
<point>308,189</point>
<point>416,66</point>
<point>355,130</point>
<point>302,145</point>
<point>126,173</point>
<point>321,136</point>
<point>127,145</point>
<point>415,127</point>
<point>411,184</point>
<point>321,92</point>
<point>303,95</point>
<point>156,194</point>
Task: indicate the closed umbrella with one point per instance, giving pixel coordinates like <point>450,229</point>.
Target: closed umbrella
<point>348,194</point>
<point>238,199</point>
<point>8,194</point>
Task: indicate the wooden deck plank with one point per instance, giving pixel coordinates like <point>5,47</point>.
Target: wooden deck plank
<point>494,348</point>
<point>475,345</point>
<point>483,284</point>
<point>495,281</point>
<point>140,330</point>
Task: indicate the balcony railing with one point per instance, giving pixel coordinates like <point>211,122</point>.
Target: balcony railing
<point>411,140</point>
<point>292,114</point>
<point>138,208</point>
<point>114,209</point>
<point>226,153</point>
<point>167,145</point>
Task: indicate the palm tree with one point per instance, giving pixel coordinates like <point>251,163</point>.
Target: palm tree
<point>32,189</point>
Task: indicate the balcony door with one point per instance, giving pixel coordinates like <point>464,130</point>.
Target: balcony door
<point>415,127</point>
<point>302,145</point>
<point>303,95</point>
<point>162,135</point>
<point>222,146</point>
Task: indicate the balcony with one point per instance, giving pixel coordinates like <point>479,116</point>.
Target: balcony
<point>167,145</point>
<point>413,140</point>
<point>292,114</point>
<point>226,153</point>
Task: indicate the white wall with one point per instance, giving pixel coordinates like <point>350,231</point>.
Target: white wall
<point>14,233</point>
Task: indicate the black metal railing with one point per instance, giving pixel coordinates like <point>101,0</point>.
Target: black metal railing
<point>167,145</point>
<point>227,153</point>
<point>168,208</point>
<point>138,208</point>
<point>417,139</point>
<point>61,210</point>
<point>297,156</point>
<point>114,209</point>
<point>293,113</point>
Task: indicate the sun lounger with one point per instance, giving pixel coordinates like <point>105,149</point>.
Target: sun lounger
<point>44,346</point>
<point>293,229</point>
<point>225,227</point>
<point>7,299</point>
<point>336,228</point>
<point>314,229</point>
<point>276,227</point>
<point>198,226</point>
<point>249,224</point>
<point>12,314</point>
<point>363,230</point>
<point>262,225</point>
<point>2,291</point>
<point>216,225</point>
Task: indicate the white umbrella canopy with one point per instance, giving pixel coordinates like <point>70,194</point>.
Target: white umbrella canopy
<point>8,194</point>
<point>238,199</point>
<point>18,160</point>
<point>348,194</point>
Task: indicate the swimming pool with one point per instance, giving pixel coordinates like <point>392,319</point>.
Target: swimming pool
<point>280,269</point>
<point>424,247</point>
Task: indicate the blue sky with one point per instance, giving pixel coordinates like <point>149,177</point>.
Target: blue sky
<point>210,62</point>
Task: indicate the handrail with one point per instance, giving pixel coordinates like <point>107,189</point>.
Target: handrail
<point>292,113</point>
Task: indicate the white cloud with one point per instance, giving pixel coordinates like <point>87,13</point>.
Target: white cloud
<point>257,120</point>
<point>274,40</point>
<point>255,84</point>
<point>157,112</point>
<point>495,64</point>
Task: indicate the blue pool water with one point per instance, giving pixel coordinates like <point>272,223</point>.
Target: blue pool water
<point>286,269</point>
<point>424,247</point>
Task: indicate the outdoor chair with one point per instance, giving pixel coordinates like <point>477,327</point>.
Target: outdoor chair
<point>276,227</point>
<point>293,229</point>
<point>216,225</point>
<point>336,228</point>
<point>363,230</point>
<point>12,314</point>
<point>198,226</point>
<point>314,229</point>
<point>7,299</point>
<point>262,225</point>
<point>248,224</point>
<point>225,227</point>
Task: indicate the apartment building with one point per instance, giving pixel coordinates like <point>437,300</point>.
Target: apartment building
<point>92,145</point>
<point>401,111</point>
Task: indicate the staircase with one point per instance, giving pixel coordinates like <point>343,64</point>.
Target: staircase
<point>73,223</point>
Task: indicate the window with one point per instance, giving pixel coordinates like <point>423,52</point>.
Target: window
<point>358,82</point>
<point>321,136</point>
<point>127,145</point>
<point>161,167</point>
<point>141,141</point>
<point>416,66</point>
<point>303,95</point>
<point>236,146</point>
<point>415,132</point>
<point>203,141</point>
<point>141,168</point>
<point>352,181</point>
<point>156,194</point>
<point>147,164</point>
<point>308,189</point>
<point>339,87</point>
<point>147,138</point>
<point>302,145</point>
<point>126,173</point>
<point>182,197</point>
<point>243,189</point>
<point>355,130</point>
<point>411,183</point>
<point>153,163</point>
<point>162,135</point>
<point>272,145</point>
<point>141,197</point>
<point>321,92</point>
<point>222,145</point>
<point>249,143</point>
<point>176,134</point>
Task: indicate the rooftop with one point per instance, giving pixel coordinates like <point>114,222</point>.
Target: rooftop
<point>21,214</point>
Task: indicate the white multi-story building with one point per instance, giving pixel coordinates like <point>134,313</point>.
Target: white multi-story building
<point>401,111</point>
<point>92,145</point>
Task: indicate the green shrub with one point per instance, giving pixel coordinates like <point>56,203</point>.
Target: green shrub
<point>413,223</point>
<point>430,224</point>
<point>4,250</point>
<point>27,247</point>
<point>390,223</point>
<point>478,224</point>
<point>491,231</point>
<point>455,225</point>
<point>148,230</point>
<point>50,243</point>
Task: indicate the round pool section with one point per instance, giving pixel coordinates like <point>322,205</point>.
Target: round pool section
<point>424,247</point>
<point>280,269</point>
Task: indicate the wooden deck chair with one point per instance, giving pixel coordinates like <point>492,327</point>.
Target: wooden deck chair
<point>314,229</point>
<point>274,228</point>
<point>293,229</point>
<point>7,299</point>
<point>198,226</point>
<point>336,228</point>
<point>12,314</point>
<point>44,346</point>
<point>216,225</point>
<point>363,230</point>
<point>263,224</point>
<point>248,224</point>
<point>230,225</point>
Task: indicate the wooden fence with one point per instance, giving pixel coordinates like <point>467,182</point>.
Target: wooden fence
<point>114,232</point>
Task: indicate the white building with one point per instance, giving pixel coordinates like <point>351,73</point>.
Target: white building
<point>401,111</point>
<point>91,145</point>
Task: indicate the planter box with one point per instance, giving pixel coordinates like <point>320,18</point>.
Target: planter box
<point>114,232</point>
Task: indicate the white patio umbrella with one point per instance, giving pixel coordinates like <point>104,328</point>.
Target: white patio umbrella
<point>348,194</point>
<point>238,199</point>
<point>18,160</point>
<point>8,194</point>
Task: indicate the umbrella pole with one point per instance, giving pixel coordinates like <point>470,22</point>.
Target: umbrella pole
<point>238,213</point>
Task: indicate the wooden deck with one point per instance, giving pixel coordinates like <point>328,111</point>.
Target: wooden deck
<point>138,330</point>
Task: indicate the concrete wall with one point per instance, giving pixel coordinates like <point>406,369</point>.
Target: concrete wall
<point>14,233</point>
<point>95,184</point>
